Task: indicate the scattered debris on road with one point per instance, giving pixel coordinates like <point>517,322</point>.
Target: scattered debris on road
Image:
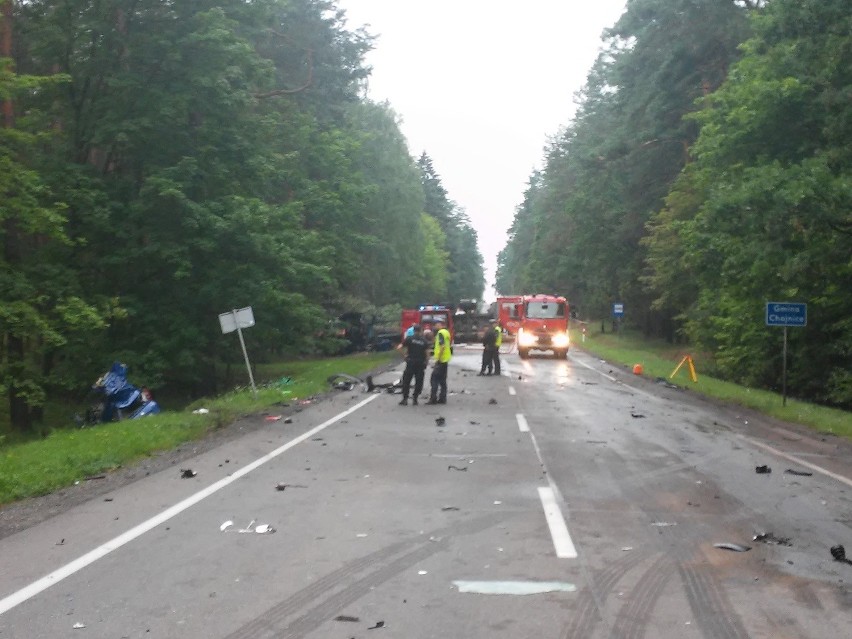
<point>347,618</point>
<point>732,547</point>
<point>379,624</point>
<point>769,538</point>
<point>444,509</point>
<point>839,554</point>
<point>344,382</point>
<point>61,542</point>
<point>283,486</point>
<point>440,421</point>
<point>187,473</point>
<point>460,468</point>
<point>288,421</point>
<point>762,470</point>
<point>663,524</point>
<point>798,473</point>
<point>273,418</point>
<point>637,415</point>
<point>78,626</point>
<point>492,401</point>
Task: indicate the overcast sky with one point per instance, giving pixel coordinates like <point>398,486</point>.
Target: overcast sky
<point>480,86</point>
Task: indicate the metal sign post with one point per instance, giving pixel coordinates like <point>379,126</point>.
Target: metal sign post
<point>236,320</point>
<point>617,314</point>
<point>786,314</point>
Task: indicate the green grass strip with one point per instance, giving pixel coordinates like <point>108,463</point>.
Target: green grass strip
<point>66,456</point>
<point>659,360</point>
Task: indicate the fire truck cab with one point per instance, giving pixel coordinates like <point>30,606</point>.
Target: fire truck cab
<point>426,315</point>
<point>543,325</point>
<point>508,314</point>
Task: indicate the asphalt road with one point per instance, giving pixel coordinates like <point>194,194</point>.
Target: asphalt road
<point>563,499</point>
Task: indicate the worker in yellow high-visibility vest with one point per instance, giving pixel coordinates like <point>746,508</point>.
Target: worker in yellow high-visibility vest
<point>443,351</point>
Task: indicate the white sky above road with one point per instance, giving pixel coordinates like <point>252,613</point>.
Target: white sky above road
<point>480,85</point>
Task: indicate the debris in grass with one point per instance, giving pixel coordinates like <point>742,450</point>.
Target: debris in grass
<point>200,411</point>
<point>91,477</point>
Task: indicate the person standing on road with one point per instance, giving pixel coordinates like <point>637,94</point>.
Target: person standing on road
<point>489,340</point>
<point>498,342</point>
<point>442,352</point>
<point>416,354</point>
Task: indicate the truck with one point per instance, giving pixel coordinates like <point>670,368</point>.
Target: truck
<point>507,314</point>
<point>426,315</point>
<point>543,325</point>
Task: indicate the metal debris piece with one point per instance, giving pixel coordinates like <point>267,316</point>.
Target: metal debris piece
<point>346,618</point>
<point>518,588</point>
<point>839,554</point>
<point>492,401</point>
<point>288,420</point>
<point>462,469</point>
<point>663,524</point>
<point>473,423</point>
<point>343,382</point>
<point>762,470</point>
<point>273,418</point>
<point>78,626</point>
<point>769,538</point>
<point>440,421</point>
<point>799,473</point>
<point>187,473</point>
<point>283,486</point>
<point>637,415</point>
<point>733,547</point>
<point>91,477</point>
<point>379,624</point>
<point>226,525</point>
<point>444,509</point>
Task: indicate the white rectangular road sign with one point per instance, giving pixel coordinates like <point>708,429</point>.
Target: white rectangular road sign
<point>243,316</point>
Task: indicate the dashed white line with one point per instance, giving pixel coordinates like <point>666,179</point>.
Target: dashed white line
<point>522,423</point>
<point>92,556</point>
<point>556,522</point>
<point>512,390</point>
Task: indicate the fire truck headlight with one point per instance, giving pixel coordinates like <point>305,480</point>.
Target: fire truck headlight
<point>526,339</point>
<point>560,340</point>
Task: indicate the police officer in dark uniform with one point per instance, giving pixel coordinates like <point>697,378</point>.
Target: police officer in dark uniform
<point>416,354</point>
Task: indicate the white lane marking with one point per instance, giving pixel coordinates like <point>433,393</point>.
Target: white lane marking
<point>801,462</point>
<point>592,368</point>
<point>512,390</point>
<point>513,587</point>
<point>558,529</point>
<point>522,423</point>
<point>92,556</point>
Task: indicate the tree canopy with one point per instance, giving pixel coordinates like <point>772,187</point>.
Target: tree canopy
<point>171,161</point>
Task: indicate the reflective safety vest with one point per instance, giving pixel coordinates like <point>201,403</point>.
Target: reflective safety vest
<point>447,354</point>
<point>499,332</point>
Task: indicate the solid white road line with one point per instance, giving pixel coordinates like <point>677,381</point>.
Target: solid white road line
<point>522,423</point>
<point>801,462</point>
<point>558,530</point>
<point>592,368</point>
<point>78,564</point>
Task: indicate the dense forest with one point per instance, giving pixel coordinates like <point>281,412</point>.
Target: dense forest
<point>164,162</point>
<point>707,172</point>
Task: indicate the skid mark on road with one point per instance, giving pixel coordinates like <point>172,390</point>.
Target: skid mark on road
<point>632,620</point>
<point>377,568</point>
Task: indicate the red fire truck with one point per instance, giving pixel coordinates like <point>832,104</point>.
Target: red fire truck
<point>543,325</point>
<point>426,315</point>
<point>508,314</point>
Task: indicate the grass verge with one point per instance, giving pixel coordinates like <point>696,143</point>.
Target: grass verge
<point>659,360</point>
<point>68,455</point>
